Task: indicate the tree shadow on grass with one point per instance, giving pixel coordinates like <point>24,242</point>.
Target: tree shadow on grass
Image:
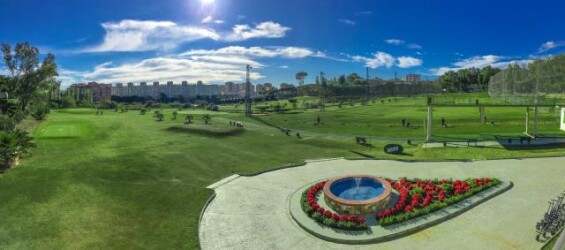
<point>209,132</point>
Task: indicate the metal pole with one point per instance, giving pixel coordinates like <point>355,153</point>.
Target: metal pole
<point>430,122</point>
<point>536,121</point>
<point>248,111</point>
<point>527,118</point>
<point>367,94</point>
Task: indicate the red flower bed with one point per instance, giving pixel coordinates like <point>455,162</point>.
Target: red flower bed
<point>335,220</point>
<point>433,197</point>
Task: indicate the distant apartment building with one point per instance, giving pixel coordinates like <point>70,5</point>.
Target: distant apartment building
<point>100,91</point>
<point>184,89</point>
<point>413,77</point>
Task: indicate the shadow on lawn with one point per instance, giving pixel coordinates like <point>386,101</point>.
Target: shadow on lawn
<point>210,132</point>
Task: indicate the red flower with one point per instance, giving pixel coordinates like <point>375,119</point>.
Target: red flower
<point>352,218</point>
<point>328,213</point>
<point>320,210</point>
<point>342,218</point>
<point>408,208</point>
<point>361,220</point>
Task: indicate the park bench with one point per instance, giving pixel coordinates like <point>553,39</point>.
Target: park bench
<point>472,141</point>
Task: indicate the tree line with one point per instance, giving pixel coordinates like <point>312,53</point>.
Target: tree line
<point>467,80</point>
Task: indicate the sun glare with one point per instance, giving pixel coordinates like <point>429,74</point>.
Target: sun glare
<point>207,1</point>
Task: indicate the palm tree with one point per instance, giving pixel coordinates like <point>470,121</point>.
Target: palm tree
<point>13,145</point>
<point>300,76</point>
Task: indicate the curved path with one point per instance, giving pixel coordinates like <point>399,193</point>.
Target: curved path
<point>252,212</point>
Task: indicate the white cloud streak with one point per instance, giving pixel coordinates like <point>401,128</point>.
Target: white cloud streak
<point>133,35</point>
<point>347,22</point>
<point>408,62</point>
<point>549,45</point>
<point>210,19</point>
<point>383,59</point>
<point>136,35</point>
<point>479,62</point>
<point>395,42</point>
<point>269,29</point>
<point>219,65</point>
<point>286,52</point>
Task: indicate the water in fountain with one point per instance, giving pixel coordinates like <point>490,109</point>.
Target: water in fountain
<point>357,184</point>
<point>357,188</point>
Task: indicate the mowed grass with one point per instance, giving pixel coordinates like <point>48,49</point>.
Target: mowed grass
<point>123,180</point>
<point>383,120</point>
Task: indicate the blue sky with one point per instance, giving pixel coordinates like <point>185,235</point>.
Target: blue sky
<point>212,40</point>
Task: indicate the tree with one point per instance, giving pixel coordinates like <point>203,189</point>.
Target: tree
<point>206,118</point>
<point>160,117</point>
<point>342,81</point>
<point>189,119</point>
<point>353,78</point>
<point>300,76</point>
<point>28,79</point>
<point>13,145</point>
<point>175,115</point>
<point>317,80</point>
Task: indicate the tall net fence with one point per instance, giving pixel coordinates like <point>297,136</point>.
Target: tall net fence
<point>539,82</point>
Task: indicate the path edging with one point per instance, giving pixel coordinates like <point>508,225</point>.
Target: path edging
<point>394,235</point>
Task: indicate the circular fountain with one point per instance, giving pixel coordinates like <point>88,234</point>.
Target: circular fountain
<point>357,194</point>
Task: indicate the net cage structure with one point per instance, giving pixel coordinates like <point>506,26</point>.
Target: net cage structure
<point>541,82</point>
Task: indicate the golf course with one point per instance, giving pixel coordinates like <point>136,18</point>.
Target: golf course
<point>126,180</point>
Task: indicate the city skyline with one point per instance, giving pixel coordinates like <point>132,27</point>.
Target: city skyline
<point>213,40</point>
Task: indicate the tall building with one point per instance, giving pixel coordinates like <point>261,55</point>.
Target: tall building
<point>100,91</point>
<point>173,90</point>
<point>413,77</point>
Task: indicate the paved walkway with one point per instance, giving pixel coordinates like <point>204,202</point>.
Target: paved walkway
<point>252,212</point>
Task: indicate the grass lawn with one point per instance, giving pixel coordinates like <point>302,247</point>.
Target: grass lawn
<point>384,120</point>
<point>123,180</point>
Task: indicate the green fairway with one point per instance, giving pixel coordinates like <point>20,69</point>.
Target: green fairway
<point>383,120</point>
<point>124,180</point>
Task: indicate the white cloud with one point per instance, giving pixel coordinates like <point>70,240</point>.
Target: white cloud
<point>479,62</point>
<point>241,17</point>
<point>134,35</point>
<point>458,54</point>
<point>287,52</point>
<point>380,59</point>
<point>268,29</point>
<point>284,66</point>
<point>205,68</point>
<point>210,19</point>
<point>69,77</point>
<point>346,21</point>
<point>219,65</point>
<point>414,46</point>
<point>549,45</point>
<point>395,42</point>
<point>408,62</point>
<point>383,59</point>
